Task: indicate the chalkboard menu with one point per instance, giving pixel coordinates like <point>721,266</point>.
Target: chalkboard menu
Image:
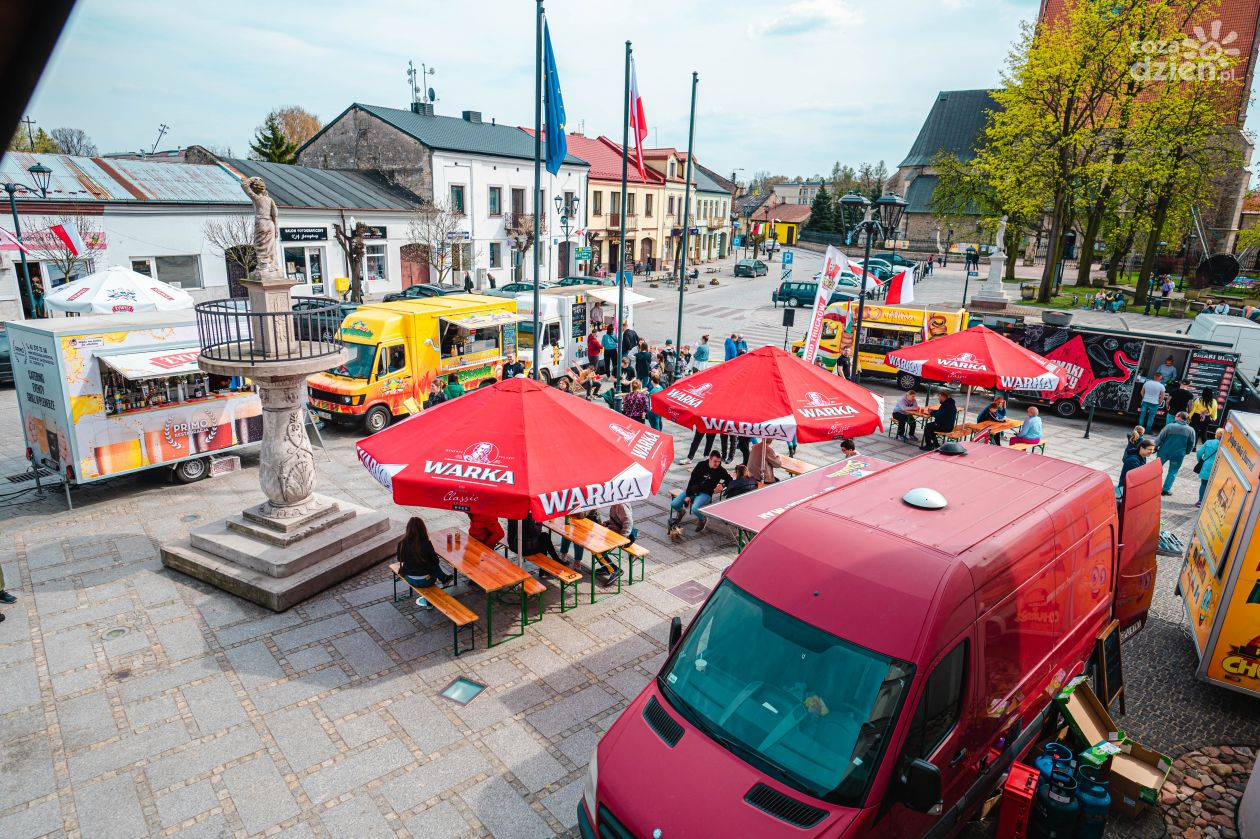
<point>1109,666</point>
<point>509,339</point>
<point>579,319</point>
<point>1211,369</point>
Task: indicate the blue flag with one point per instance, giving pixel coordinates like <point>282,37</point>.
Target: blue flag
<point>557,145</point>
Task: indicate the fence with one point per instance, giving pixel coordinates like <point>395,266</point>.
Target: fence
<point>230,332</point>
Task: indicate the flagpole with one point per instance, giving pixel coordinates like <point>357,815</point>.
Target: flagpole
<point>621,246</point>
<point>682,263</point>
<point>538,227</point>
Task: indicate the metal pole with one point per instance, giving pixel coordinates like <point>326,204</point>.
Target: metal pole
<point>870,225</point>
<point>621,245</point>
<point>1090,421</point>
<point>17,232</point>
<point>538,225</point>
<point>966,283</point>
<point>682,271</point>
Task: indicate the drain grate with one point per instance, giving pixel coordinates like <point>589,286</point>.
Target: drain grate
<point>28,476</point>
<point>690,592</point>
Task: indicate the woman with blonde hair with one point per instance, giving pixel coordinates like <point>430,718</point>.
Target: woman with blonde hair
<point>635,404</point>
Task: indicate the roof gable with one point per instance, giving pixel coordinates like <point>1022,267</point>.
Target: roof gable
<point>955,124</point>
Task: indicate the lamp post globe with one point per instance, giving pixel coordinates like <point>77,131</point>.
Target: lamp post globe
<point>890,207</point>
<point>43,176</point>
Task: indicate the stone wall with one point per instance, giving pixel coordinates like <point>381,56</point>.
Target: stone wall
<point>358,140</point>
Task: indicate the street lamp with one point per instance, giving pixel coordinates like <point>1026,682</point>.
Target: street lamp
<point>43,176</point>
<point>567,210</point>
<point>857,215</point>
<point>891,208</point>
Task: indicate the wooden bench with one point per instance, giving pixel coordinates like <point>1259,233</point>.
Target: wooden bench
<point>460,616</point>
<point>639,554</point>
<point>536,589</point>
<point>1030,447</point>
<point>956,435</point>
<point>796,467</point>
<point>567,576</point>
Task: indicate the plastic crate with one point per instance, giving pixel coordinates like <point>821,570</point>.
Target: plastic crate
<point>1017,802</point>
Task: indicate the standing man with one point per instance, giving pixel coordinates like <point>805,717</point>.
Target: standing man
<point>5,598</point>
<point>1154,394</point>
<point>513,368</point>
<point>731,346</point>
<point>1172,445</point>
<point>1168,369</point>
<point>593,350</point>
<point>609,342</point>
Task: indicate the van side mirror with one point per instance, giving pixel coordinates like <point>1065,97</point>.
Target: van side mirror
<point>675,632</point>
<point>919,788</point>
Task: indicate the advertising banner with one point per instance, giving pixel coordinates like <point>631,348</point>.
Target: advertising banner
<point>834,264</point>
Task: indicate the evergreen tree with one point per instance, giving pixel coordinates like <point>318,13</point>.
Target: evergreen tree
<point>823,216</point>
<point>44,143</point>
<point>271,144</point>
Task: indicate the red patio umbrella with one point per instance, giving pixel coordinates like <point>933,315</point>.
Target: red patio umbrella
<point>774,395</point>
<point>518,446</point>
<point>978,357</point>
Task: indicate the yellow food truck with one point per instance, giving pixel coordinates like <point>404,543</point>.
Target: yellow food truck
<point>1220,581</point>
<point>398,349</point>
<point>884,328</point>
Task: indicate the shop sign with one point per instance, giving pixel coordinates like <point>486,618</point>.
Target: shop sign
<point>374,231</point>
<point>303,234</point>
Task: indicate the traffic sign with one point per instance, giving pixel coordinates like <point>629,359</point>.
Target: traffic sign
<point>787,274</point>
<point>581,254</point>
<point>787,257</point>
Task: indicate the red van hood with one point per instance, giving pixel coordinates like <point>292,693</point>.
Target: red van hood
<point>697,788</point>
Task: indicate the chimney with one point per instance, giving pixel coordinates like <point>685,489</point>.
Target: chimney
<point>423,108</point>
<point>472,116</point>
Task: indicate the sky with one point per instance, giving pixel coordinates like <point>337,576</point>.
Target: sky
<point>788,87</point>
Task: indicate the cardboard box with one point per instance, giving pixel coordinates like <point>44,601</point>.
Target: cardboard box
<point>1137,774</point>
<point>1086,715</point>
<point>1100,753</point>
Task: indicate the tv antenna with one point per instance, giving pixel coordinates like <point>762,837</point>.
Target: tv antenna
<point>162,129</point>
<point>418,81</point>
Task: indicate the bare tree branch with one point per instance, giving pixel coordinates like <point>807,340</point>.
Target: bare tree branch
<point>432,228</point>
<point>233,237</point>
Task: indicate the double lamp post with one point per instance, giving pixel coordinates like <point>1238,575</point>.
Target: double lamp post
<point>860,216</point>
<point>43,176</point>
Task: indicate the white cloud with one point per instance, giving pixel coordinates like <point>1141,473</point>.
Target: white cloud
<point>807,17</point>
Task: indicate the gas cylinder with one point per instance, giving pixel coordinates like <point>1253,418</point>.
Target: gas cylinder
<point>1095,800</point>
<point>1054,756</point>
<point>1056,809</point>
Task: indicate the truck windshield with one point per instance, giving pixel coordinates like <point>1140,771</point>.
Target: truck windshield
<point>804,706</point>
<point>359,365</point>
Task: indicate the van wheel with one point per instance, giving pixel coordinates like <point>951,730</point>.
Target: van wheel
<point>1066,408</point>
<point>905,381</point>
<point>546,378</point>
<point>191,471</point>
<point>796,303</point>
<point>377,419</point>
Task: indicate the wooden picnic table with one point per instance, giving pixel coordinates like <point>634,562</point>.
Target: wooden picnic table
<point>796,467</point>
<point>593,537</point>
<point>975,429</point>
<point>488,570</point>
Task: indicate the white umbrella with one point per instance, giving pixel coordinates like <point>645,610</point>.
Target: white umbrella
<point>117,289</point>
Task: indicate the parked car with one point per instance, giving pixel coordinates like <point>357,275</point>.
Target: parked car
<point>323,326</point>
<point>422,290</point>
<point>800,293</point>
<point>513,289</point>
<point>751,268</point>
<point>567,281</point>
<point>851,280</point>
<point>6,363</point>
<point>896,260</point>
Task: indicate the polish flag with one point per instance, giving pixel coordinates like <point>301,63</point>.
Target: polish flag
<point>69,236</point>
<point>6,236</point>
<point>900,289</point>
<point>638,121</point>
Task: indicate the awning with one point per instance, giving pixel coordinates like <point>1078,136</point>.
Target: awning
<point>481,321</point>
<point>609,295</point>
<point>154,363</point>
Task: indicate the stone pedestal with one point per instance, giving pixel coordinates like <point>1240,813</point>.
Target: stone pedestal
<point>992,296</point>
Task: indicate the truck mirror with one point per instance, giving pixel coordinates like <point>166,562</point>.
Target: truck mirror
<point>919,788</point>
<point>675,632</point>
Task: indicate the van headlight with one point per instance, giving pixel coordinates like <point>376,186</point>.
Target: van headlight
<point>592,781</point>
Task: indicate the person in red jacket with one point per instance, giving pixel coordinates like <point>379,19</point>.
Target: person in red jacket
<point>593,350</point>
<point>485,529</point>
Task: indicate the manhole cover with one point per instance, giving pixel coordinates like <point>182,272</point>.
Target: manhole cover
<point>189,518</point>
<point>116,632</point>
<point>121,674</point>
<point>462,691</point>
<point>690,592</point>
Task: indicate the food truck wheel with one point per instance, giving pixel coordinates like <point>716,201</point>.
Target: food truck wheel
<point>377,419</point>
<point>546,378</point>
<point>905,381</point>
<point>1066,408</point>
<point>190,471</point>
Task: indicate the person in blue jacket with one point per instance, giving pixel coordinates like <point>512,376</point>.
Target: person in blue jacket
<point>1207,457</point>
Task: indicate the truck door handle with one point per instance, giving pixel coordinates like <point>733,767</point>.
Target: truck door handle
<point>958,758</point>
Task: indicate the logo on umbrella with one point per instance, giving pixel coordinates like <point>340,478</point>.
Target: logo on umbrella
<point>963,361</point>
<point>482,453</point>
<point>691,396</point>
<point>820,407</point>
<point>121,294</point>
<point>624,433</point>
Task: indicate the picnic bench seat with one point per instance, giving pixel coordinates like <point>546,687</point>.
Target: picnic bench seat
<point>1030,447</point>
<point>567,576</point>
<point>959,433</point>
<point>461,617</point>
<point>533,588</point>
<point>796,467</point>
<point>639,554</point>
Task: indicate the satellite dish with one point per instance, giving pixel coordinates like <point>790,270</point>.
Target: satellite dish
<point>1219,269</point>
<point>432,95</point>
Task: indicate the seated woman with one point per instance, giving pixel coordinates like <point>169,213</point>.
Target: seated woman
<point>1030,431</point>
<point>419,562</point>
<point>744,482</point>
<point>995,411</point>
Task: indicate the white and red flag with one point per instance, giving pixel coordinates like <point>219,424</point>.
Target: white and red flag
<point>638,121</point>
<point>900,289</point>
<point>6,236</point>
<point>69,236</point>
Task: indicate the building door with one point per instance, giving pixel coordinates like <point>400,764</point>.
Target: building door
<point>415,264</point>
<point>564,259</point>
<point>614,261</point>
<point>645,255</point>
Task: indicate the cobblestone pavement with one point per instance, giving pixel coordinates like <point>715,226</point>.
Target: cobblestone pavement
<point>136,701</point>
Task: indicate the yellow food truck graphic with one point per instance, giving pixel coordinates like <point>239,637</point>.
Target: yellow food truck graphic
<point>884,329</point>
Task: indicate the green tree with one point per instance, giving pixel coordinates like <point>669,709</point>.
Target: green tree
<point>271,144</point>
<point>823,215</point>
<point>44,143</point>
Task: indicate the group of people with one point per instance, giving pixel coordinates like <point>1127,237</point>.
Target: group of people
<point>1201,409</point>
<point>1107,301</point>
<point>943,419</point>
<point>1176,441</point>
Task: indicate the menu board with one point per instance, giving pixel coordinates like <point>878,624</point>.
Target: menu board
<point>579,318</point>
<point>1222,505</point>
<point>1211,369</point>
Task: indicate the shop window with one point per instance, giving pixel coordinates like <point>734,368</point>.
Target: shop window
<point>457,199</point>
<point>496,255</point>
<point>181,271</point>
<point>376,264</point>
<point>461,259</point>
<point>494,203</point>
<point>940,706</point>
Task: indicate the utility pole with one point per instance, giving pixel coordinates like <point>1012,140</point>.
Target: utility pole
<point>30,131</point>
<point>682,263</point>
<point>162,129</point>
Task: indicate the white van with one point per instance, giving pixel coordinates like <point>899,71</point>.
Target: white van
<point>1239,333</point>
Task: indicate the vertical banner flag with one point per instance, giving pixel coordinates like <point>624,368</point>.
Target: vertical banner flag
<point>69,236</point>
<point>557,144</point>
<point>834,264</point>
<point>638,122</point>
<point>900,289</point>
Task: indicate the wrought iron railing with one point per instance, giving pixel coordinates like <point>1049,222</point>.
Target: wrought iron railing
<point>231,332</point>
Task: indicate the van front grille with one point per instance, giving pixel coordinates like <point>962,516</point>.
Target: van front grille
<point>610,827</point>
<point>786,808</point>
<point>662,723</point>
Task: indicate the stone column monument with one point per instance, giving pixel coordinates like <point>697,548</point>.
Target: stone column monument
<point>992,295</point>
<point>295,543</point>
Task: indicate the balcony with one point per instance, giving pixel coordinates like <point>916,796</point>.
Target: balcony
<point>614,222</point>
<point>229,333</point>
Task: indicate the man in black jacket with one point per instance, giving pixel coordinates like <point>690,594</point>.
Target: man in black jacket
<point>707,480</point>
<point>943,420</point>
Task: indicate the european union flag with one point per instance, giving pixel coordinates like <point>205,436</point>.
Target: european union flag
<point>557,145</point>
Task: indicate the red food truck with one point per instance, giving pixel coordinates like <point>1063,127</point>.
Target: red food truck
<point>877,657</point>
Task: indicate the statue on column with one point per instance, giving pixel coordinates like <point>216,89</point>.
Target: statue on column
<point>266,227</point>
<point>1001,236</point>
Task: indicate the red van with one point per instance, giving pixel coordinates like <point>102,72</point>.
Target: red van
<point>875,659</point>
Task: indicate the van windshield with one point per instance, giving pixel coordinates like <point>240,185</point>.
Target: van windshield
<point>809,709</point>
<point>359,364</point>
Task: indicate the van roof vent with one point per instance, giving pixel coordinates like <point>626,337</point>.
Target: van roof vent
<point>925,499</point>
